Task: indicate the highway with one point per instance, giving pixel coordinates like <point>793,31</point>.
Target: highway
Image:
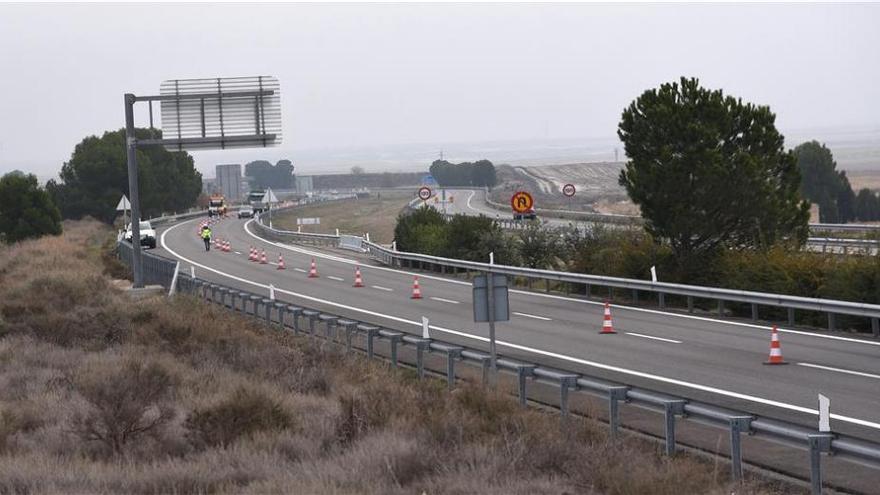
<point>701,358</point>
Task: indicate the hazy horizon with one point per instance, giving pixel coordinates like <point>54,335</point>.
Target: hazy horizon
<point>390,85</point>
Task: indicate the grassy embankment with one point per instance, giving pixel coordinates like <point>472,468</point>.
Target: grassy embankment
<point>99,395</point>
<point>374,215</point>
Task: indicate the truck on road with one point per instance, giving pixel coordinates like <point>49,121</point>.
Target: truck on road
<point>216,206</point>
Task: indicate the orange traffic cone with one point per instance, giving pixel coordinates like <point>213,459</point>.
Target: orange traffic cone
<point>358,281</point>
<point>226,247</point>
<point>252,256</point>
<point>417,292</point>
<point>263,259</point>
<point>313,271</point>
<point>280,262</point>
<point>775,349</point>
<point>607,327</point>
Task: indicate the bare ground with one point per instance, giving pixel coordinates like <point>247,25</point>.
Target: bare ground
<point>376,215</point>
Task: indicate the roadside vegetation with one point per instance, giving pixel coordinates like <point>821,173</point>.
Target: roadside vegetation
<point>98,395</point>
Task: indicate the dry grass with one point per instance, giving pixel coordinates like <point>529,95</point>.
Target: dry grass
<point>101,396</point>
<point>376,216</point>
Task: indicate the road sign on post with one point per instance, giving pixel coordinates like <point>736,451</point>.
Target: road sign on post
<point>491,305</point>
<point>521,202</point>
<point>568,190</point>
<point>203,114</point>
<point>270,199</point>
<point>424,193</point>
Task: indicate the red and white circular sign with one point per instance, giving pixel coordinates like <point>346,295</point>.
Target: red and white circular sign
<point>424,193</point>
<point>568,190</point>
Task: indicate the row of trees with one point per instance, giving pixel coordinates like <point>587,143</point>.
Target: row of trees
<point>264,175</point>
<point>466,174</point>
<point>96,176</point>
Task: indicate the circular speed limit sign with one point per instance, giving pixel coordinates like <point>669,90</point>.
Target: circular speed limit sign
<point>521,202</point>
<point>424,193</point>
<point>568,190</point>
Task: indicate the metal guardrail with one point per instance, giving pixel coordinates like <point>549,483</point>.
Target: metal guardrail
<point>337,328</point>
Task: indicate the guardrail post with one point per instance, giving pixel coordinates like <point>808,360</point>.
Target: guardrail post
<point>587,291</point>
<point>565,384</point>
<point>875,327</point>
<point>222,291</point>
<point>267,305</point>
<point>451,356</point>
<point>371,334</point>
<point>754,311</point>
<point>421,345</point>
<point>313,318</point>
<point>720,307</point>
<point>296,312</point>
<point>818,443</point>
<point>791,317</point>
<point>831,321</point>
<point>672,408</point>
<point>635,296</point>
<point>329,326</point>
<point>255,301</point>
<point>615,394</point>
<point>243,296</point>
<point>349,327</point>
<point>523,372</point>
<point>661,300</point>
<point>395,339</point>
<point>738,424</point>
<point>690,303</point>
<point>279,308</point>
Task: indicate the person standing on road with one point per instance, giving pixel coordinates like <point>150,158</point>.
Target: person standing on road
<point>206,236</point>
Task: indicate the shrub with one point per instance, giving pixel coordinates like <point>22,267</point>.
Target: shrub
<point>125,404</point>
<point>243,413</point>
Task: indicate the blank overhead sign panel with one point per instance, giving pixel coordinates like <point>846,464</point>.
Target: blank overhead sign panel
<point>220,113</point>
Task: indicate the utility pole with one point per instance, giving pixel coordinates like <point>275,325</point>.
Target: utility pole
<point>133,196</point>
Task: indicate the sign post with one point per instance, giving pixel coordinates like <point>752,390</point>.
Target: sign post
<point>123,206</point>
<point>270,198</point>
<point>491,304</point>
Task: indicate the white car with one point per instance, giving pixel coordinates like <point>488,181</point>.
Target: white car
<point>148,235</point>
<point>246,212</point>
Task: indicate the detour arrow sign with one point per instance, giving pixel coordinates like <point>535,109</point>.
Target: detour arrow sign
<point>521,202</point>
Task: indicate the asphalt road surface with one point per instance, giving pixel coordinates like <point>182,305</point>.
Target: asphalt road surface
<point>701,358</point>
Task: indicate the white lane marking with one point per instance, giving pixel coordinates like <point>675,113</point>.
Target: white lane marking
<point>469,200</point>
<point>382,288</point>
<point>300,270</point>
<point>584,362</point>
<point>652,337</point>
<point>450,301</point>
<point>533,316</point>
<point>563,298</point>
<point>236,252</point>
<point>331,277</point>
<point>839,370</point>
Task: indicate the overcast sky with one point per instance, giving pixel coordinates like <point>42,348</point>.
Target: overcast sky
<point>374,75</point>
